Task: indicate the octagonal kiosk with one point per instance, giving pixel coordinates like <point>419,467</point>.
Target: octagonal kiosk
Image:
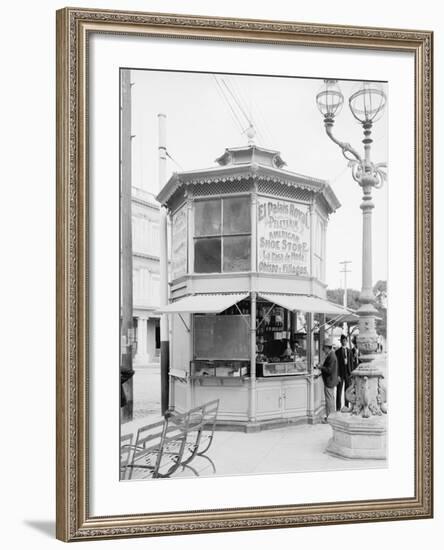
<point>247,292</point>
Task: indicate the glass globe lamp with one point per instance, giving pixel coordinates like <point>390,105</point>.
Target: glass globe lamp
<point>368,102</point>
<point>330,99</point>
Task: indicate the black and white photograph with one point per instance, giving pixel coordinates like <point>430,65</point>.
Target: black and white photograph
<point>219,310</point>
<point>253,274</point>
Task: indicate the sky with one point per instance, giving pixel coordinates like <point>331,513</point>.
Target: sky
<point>201,125</point>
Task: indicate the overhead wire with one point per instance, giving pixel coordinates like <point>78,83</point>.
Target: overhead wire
<point>341,173</point>
<point>237,102</point>
<point>226,100</point>
<point>261,127</point>
<point>252,120</point>
<point>231,93</point>
<point>240,99</point>
<point>241,105</point>
<point>175,161</point>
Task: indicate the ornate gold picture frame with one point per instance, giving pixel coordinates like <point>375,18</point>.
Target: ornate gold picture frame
<point>75,27</point>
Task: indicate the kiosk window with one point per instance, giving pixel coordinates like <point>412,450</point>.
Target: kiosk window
<point>236,215</point>
<point>221,337</point>
<point>237,253</point>
<point>207,218</point>
<point>207,256</point>
<point>222,235</point>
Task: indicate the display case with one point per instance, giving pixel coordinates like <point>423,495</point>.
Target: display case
<point>283,368</point>
<point>219,369</point>
<point>281,341</point>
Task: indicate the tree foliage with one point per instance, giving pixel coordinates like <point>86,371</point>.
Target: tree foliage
<point>336,295</point>
<point>380,291</point>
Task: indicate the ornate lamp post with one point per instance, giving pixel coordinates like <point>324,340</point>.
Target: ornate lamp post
<point>360,431</point>
<point>367,106</point>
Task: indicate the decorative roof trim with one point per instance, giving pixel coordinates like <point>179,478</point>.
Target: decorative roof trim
<point>331,197</point>
<point>238,172</point>
<point>231,154</point>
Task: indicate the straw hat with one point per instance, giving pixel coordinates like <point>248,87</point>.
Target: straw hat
<point>328,342</point>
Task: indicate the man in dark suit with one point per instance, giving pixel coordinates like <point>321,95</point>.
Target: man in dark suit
<point>355,353</point>
<point>346,364</point>
<point>329,371</point>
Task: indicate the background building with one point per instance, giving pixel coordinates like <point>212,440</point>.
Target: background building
<point>145,228</point>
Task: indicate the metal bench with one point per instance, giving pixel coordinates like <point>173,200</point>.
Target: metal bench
<point>159,447</point>
<point>163,447</point>
<point>126,442</point>
<point>202,423</point>
<point>209,414</point>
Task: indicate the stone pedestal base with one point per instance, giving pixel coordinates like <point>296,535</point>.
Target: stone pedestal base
<point>357,437</point>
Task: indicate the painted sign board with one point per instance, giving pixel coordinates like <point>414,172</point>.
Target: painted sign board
<point>179,248</point>
<point>283,231</point>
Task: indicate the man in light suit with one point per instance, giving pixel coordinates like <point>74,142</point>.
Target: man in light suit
<point>346,364</point>
<point>329,371</point>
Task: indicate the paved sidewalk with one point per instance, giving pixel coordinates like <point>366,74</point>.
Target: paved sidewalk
<point>289,449</point>
<point>295,448</point>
